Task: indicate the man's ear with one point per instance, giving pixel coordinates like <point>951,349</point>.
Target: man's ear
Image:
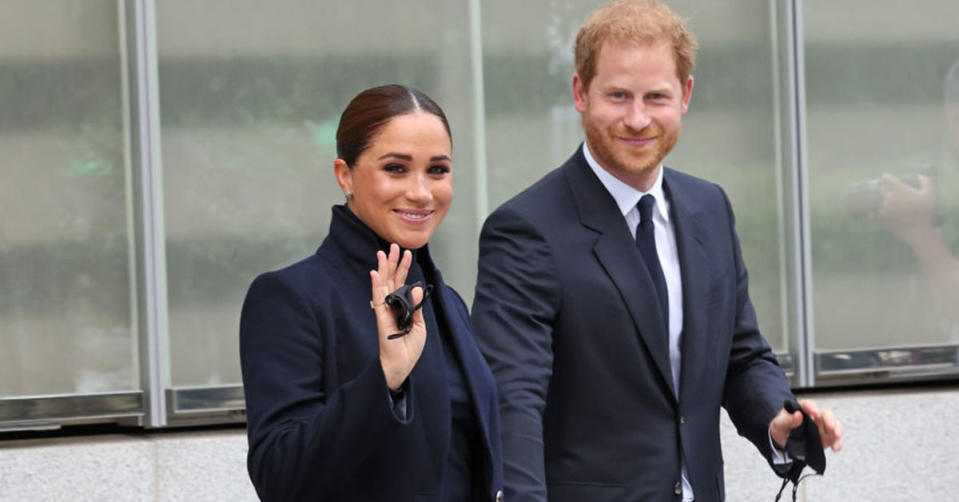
<point>687,93</point>
<point>579,93</point>
<point>344,175</point>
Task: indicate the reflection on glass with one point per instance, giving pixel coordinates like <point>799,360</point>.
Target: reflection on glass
<point>729,135</point>
<point>65,254</point>
<point>250,96</point>
<point>882,171</point>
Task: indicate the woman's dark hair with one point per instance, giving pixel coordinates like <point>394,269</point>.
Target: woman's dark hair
<point>372,109</point>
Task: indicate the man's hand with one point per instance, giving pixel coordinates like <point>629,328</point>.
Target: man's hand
<point>830,428</point>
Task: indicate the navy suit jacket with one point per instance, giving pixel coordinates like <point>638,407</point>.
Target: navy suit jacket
<point>568,319</point>
<point>320,421</point>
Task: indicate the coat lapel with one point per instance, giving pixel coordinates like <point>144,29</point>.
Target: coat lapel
<point>478,378</point>
<point>694,270</point>
<point>478,386</point>
<point>619,257</point>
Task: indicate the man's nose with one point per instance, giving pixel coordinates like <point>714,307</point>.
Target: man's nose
<point>637,117</point>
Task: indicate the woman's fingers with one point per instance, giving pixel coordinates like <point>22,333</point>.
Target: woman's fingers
<point>399,278</point>
<point>378,293</point>
<point>390,274</point>
<point>380,278</point>
<point>392,260</point>
<point>417,295</point>
<point>394,267</point>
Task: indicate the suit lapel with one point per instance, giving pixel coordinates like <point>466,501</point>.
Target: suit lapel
<point>617,253</point>
<point>694,270</point>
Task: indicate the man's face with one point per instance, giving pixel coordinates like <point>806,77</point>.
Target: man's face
<point>633,109</point>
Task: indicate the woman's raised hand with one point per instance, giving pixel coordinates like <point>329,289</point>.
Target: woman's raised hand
<point>397,356</point>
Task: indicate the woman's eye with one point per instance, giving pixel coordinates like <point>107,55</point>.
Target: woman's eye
<point>394,168</point>
<point>439,169</point>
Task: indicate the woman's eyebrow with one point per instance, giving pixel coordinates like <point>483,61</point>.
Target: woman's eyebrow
<point>402,156</point>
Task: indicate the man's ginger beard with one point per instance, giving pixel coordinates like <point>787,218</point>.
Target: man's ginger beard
<point>602,144</point>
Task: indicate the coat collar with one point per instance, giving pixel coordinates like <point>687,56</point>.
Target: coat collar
<point>358,244</point>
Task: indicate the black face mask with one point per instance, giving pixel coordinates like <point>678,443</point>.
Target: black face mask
<point>804,447</point>
<point>401,303</point>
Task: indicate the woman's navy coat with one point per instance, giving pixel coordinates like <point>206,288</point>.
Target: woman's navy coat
<point>319,417</point>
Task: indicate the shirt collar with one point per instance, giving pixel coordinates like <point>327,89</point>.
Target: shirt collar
<point>627,197</point>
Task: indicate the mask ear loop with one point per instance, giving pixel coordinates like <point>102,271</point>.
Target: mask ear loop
<point>402,314</point>
<point>795,485</point>
<point>783,487</point>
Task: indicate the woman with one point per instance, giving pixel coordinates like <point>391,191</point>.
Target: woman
<point>338,406</point>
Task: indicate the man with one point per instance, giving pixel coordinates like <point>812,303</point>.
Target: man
<point>615,344</point>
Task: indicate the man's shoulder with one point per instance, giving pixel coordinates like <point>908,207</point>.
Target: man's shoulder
<point>688,181</point>
<point>694,188</point>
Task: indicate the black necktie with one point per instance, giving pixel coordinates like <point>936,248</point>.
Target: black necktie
<point>646,242</point>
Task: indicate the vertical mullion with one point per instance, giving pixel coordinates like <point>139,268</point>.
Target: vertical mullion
<point>154,367</point>
<point>124,27</point>
<point>791,145</point>
<point>804,248</point>
<point>479,112</point>
<point>783,168</point>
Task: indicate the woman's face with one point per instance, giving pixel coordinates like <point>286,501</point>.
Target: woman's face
<point>402,184</point>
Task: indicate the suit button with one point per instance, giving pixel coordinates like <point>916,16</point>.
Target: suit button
<point>678,488</point>
<point>682,420</point>
<point>499,496</point>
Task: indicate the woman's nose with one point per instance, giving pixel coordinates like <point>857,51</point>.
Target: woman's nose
<point>418,189</point>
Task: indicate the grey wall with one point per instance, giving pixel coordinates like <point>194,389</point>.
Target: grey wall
<point>900,446</point>
<point>153,467</point>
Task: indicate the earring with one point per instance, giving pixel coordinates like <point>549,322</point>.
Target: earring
<point>348,194</point>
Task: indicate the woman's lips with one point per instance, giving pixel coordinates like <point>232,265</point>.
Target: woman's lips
<point>413,216</point>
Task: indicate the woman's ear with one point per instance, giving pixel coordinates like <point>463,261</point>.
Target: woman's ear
<point>344,176</point>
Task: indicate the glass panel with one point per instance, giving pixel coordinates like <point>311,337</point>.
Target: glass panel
<point>730,135</point>
<point>883,250</point>
<point>250,96</point>
<point>66,324</point>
